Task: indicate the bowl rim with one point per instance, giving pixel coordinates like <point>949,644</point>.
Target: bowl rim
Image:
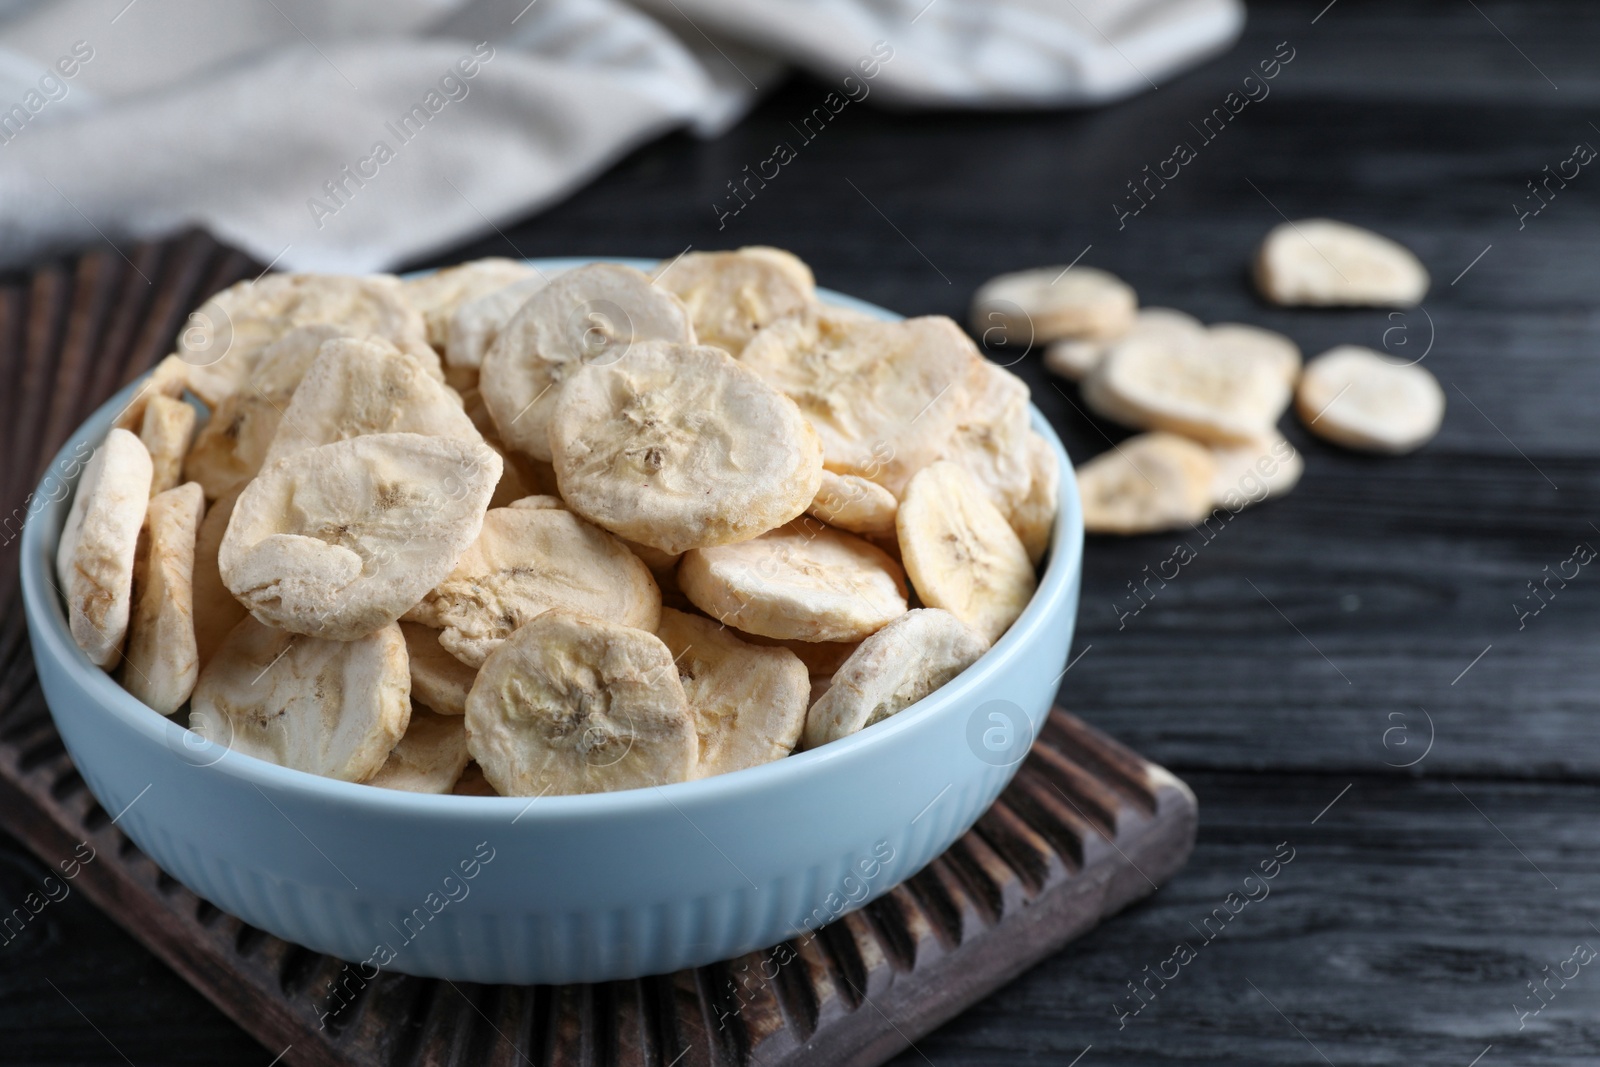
<point>52,638</point>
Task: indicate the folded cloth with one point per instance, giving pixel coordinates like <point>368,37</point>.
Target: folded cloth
<point>354,136</point>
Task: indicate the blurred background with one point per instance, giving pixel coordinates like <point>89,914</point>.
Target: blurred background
<point>1439,869</point>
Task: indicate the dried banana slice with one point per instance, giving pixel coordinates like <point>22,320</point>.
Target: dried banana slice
<point>1229,337</point>
<point>357,388</point>
<point>439,294</point>
<point>732,295</point>
<point>169,378</point>
<point>1355,397</point>
<point>590,315</point>
<point>575,704</point>
<point>893,669</point>
<point>161,662</point>
<point>526,561</point>
<point>438,680</point>
<point>803,582</point>
<point>990,439</point>
<point>1323,263</point>
<point>334,708</point>
<point>749,702</point>
<point>477,322</point>
<point>679,447</point>
<point>165,432</point>
<point>216,610</point>
<point>1248,474</point>
<point>960,552</point>
<point>1051,303</point>
<point>1217,395</point>
<point>884,396</point>
<point>1034,517</point>
<point>224,336</point>
<point>338,540</point>
<point>1152,482</point>
<point>232,446</point>
<point>855,504</point>
<point>94,560</point>
<point>430,758</point>
<point>1076,359</point>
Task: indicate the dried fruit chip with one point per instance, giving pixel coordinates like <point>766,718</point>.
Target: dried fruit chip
<point>477,322</point>
<point>680,447</point>
<point>1248,474</point>
<point>1217,395</point>
<point>1228,337</point>
<point>960,552</point>
<point>1076,359</point>
<point>334,708</point>
<point>731,295</point>
<point>224,336</point>
<point>161,661</point>
<point>854,504</point>
<point>356,388</point>
<point>1051,303</point>
<point>804,582</point>
<point>525,561</point>
<point>232,446</point>
<point>749,702</point>
<point>1324,263</point>
<point>990,439</point>
<point>165,432</point>
<point>1034,516</point>
<point>216,610</point>
<point>438,680</point>
<point>589,315</point>
<point>575,704</point>
<point>168,378</point>
<point>1355,397</point>
<point>338,540</point>
<point>430,758</point>
<point>884,396</point>
<point>94,560</point>
<point>1152,482</point>
<point>439,294</point>
<point>893,669</point>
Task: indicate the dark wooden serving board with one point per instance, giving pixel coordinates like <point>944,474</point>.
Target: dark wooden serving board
<point>1086,828</point>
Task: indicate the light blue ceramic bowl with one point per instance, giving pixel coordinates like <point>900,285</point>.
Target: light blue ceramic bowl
<point>559,889</point>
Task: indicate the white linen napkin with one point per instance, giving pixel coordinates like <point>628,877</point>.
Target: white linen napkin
<point>355,135</point>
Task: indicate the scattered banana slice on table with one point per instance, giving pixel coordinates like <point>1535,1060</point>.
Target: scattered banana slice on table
<point>1323,263</point>
<point>1049,304</point>
<point>1148,483</point>
<point>1355,397</point>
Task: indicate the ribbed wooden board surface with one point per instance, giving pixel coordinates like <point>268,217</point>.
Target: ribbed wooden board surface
<point>1086,827</point>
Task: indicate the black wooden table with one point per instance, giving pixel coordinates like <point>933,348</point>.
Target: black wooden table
<point>1353,677</point>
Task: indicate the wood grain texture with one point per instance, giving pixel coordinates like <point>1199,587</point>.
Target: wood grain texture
<point>1407,925</point>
